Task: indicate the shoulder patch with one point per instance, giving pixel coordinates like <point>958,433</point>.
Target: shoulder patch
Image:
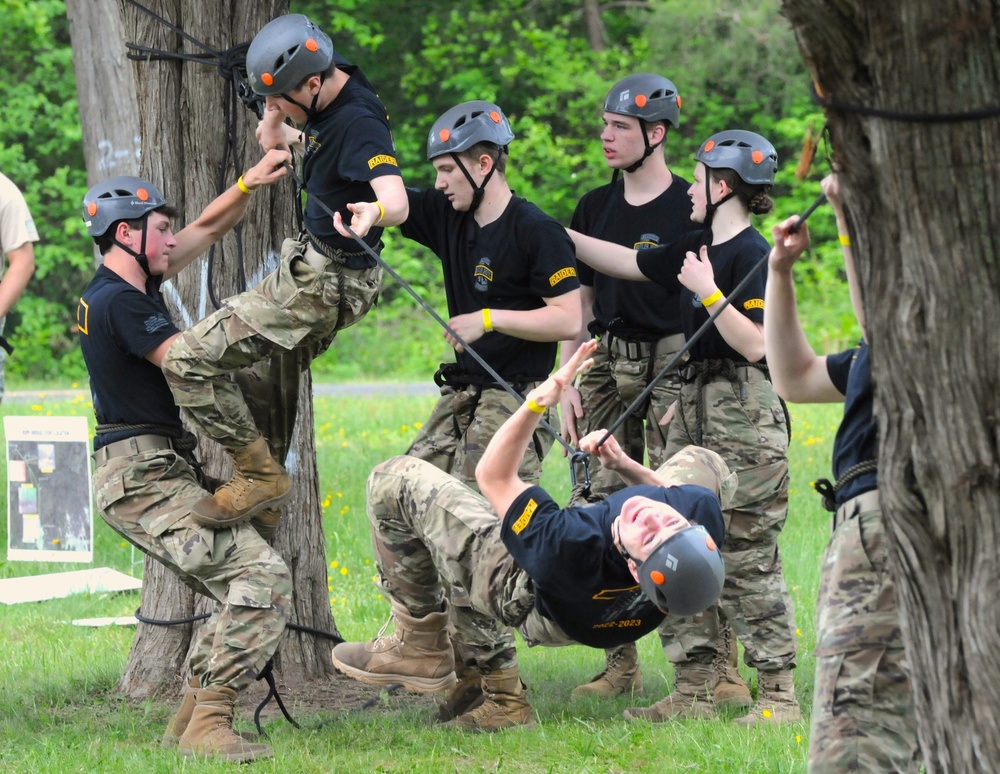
<point>525,517</point>
<point>155,322</point>
<point>82,315</point>
<point>382,158</point>
<point>754,303</point>
<point>560,275</point>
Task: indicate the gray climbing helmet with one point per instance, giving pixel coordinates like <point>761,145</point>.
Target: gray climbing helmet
<point>647,96</point>
<point>285,52</point>
<point>119,198</point>
<point>748,154</point>
<point>683,575</point>
<point>464,125</point>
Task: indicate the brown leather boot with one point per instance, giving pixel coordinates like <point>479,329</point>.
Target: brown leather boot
<point>179,722</point>
<point>729,689</point>
<point>258,483</point>
<point>691,697</point>
<point>418,655</point>
<point>621,674</point>
<point>776,702</point>
<point>210,730</point>
<point>505,706</point>
<point>467,694</point>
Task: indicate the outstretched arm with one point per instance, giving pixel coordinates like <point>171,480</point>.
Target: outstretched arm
<point>612,457</point>
<point>496,472</point>
<point>607,257</point>
<point>224,211</point>
<point>390,208</point>
<point>797,373</point>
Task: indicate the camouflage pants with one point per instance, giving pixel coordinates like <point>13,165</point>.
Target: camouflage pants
<point>461,425</point>
<point>434,538</point>
<point>742,420</point>
<point>147,498</point>
<point>863,715</point>
<point>295,307</point>
<point>609,387</point>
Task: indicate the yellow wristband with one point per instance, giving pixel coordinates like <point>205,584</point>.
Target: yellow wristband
<point>535,408</point>
<point>381,212</point>
<point>243,186</point>
<point>712,298</point>
<point>487,320</point>
<point>844,240</point>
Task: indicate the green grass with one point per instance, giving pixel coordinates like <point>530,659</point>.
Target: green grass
<point>59,711</point>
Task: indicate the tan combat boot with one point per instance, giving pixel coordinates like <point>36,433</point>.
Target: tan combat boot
<point>210,730</point>
<point>505,706</point>
<point>258,483</point>
<point>729,689</point>
<point>179,722</point>
<point>621,674</point>
<point>418,655</point>
<point>691,697</point>
<point>776,702</point>
<point>467,694</point>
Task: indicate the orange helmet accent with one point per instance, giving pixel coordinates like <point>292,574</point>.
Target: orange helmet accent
<point>710,543</point>
<point>143,194</point>
<point>709,145</point>
<point>657,577</point>
<point>495,117</point>
<point>312,45</point>
<point>641,100</point>
<point>92,209</point>
<point>444,134</point>
<point>267,79</point>
<point>757,156</point>
<point>678,100</point>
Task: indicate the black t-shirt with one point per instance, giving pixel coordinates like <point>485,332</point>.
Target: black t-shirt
<point>731,261</point>
<point>857,436</point>
<point>581,580</point>
<point>640,310</point>
<point>119,325</point>
<point>347,145</point>
<point>514,262</point>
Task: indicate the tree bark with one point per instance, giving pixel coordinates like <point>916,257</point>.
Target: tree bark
<point>180,106</point>
<point>926,236</point>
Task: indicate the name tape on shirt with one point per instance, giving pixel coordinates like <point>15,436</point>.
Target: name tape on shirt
<point>560,275</point>
<point>754,303</point>
<point>382,158</point>
<point>525,517</point>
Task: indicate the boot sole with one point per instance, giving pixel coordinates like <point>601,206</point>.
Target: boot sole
<point>410,682</point>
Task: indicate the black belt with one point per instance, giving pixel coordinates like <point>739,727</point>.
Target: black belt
<point>866,501</point>
<point>640,350</point>
<point>131,446</point>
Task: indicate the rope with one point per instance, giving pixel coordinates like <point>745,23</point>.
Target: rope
<point>828,491</point>
<point>895,115</point>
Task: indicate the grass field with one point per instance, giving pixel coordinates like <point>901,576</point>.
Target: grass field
<point>59,711</point>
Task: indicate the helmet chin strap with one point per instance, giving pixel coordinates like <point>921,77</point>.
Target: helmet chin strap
<point>310,111</point>
<point>649,149</point>
<point>710,206</point>
<point>140,257</point>
<point>478,192</point>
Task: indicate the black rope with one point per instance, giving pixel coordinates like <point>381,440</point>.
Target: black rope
<point>895,115</point>
<point>828,490</point>
<point>704,327</point>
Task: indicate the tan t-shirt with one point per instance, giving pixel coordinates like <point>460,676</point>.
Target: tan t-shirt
<point>16,224</point>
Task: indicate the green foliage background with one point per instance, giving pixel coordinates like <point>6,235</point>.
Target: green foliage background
<point>735,64</point>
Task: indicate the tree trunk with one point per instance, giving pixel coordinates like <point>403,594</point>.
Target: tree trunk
<point>103,79</point>
<point>181,110</point>
<point>925,232</point>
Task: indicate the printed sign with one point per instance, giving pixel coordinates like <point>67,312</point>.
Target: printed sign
<point>50,515</point>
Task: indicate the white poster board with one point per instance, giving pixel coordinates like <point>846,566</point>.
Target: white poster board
<point>50,516</point>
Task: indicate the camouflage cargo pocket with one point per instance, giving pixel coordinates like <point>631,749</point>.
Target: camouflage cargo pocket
<point>359,290</point>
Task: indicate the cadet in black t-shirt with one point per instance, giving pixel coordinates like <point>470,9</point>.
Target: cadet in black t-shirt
<point>145,484</point>
<point>726,403</point>
<point>863,715</point>
<point>454,562</point>
<point>511,284</point>
<point>324,281</point>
